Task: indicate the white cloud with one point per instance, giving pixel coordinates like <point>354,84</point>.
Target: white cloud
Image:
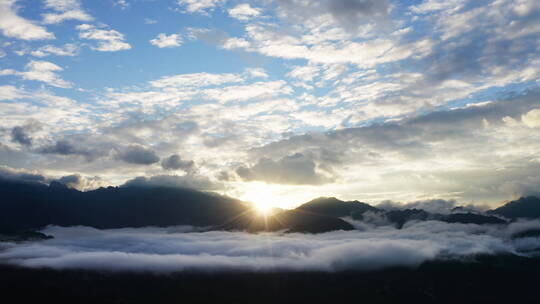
<point>108,40</point>
<point>43,71</point>
<point>173,249</point>
<point>244,12</point>
<point>532,118</point>
<point>195,80</point>
<point>15,26</point>
<point>199,6</point>
<point>69,49</point>
<point>235,43</point>
<point>256,72</point>
<point>164,41</point>
<point>68,10</point>
<point>255,90</point>
<point>8,92</point>
<point>123,4</point>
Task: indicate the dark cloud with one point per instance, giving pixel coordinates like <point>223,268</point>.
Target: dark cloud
<point>440,206</point>
<point>7,173</point>
<point>66,147</point>
<point>176,181</point>
<point>172,249</point>
<point>350,14</point>
<point>138,155</point>
<point>19,135</point>
<point>293,169</point>
<point>175,162</point>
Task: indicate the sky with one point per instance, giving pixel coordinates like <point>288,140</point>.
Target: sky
<point>276,101</point>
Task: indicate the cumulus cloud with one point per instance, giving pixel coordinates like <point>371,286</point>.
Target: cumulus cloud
<point>108,40</point>
<point>199,6</point>
<point>43,71</point>
<point>293,169</point>
<point>165,41</point>
<point>532,118</point>
<point>69,49</point>
<point>172,249</point>
<point>15,26</point>
<point>175,162</point>
<point>65,10</point>
<point>244,12</point>
<point>139,155</point>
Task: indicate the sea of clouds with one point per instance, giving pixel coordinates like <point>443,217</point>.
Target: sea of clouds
<point>172,249</point>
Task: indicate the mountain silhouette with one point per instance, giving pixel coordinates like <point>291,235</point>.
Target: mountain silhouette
<point>331,206</point>
<point>32,205</point>
<point>524,207</point>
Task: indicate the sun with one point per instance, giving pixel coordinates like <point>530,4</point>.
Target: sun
<point>263,199</point>
<point>263,209</point>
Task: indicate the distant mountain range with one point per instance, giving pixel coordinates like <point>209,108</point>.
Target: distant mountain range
<point>25,206</point>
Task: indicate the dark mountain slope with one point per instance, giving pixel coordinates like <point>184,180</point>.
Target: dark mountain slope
<point>291,220</point>
<point>331,206</point>
<point>30,205</point>
<point>524,207</point>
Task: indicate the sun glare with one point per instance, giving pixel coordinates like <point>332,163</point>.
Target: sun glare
<point>263,198</point>
<point>263,209</point>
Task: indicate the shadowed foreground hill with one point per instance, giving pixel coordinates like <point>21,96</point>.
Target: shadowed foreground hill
<point>490,279</point>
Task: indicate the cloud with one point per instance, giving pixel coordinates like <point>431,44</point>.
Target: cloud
<point>199,6</point>
<point>173,249</point>
<point>138,155</point>
<point>66,147</point>
<point>439,206</point>
<point>108,40</point>
<point>532,118</point>
<point>348,14</point>
<point>69,49</point>
<point>68,10</point>
<point>15,26</point>
<point>195,80</point>
<point>188,181</point>
<point>164,41</point>
<point>293,169</point>
<point>244,12</point>
<point>43,71</point>
<point>8,173</point>
<point>79,182</point>
<point>20,134</point>
<point>175,162</point>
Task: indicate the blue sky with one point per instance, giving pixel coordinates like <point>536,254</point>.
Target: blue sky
<point>275,101</point>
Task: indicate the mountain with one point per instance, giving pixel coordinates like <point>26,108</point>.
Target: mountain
<point>400,217</point>
<point>26,206</point>
<point>331,206</point>
<point>472,218</point>
<point>524,207</point>
<point>292,220</point>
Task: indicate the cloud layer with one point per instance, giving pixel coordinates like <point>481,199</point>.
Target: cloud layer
<point>183,248</point>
